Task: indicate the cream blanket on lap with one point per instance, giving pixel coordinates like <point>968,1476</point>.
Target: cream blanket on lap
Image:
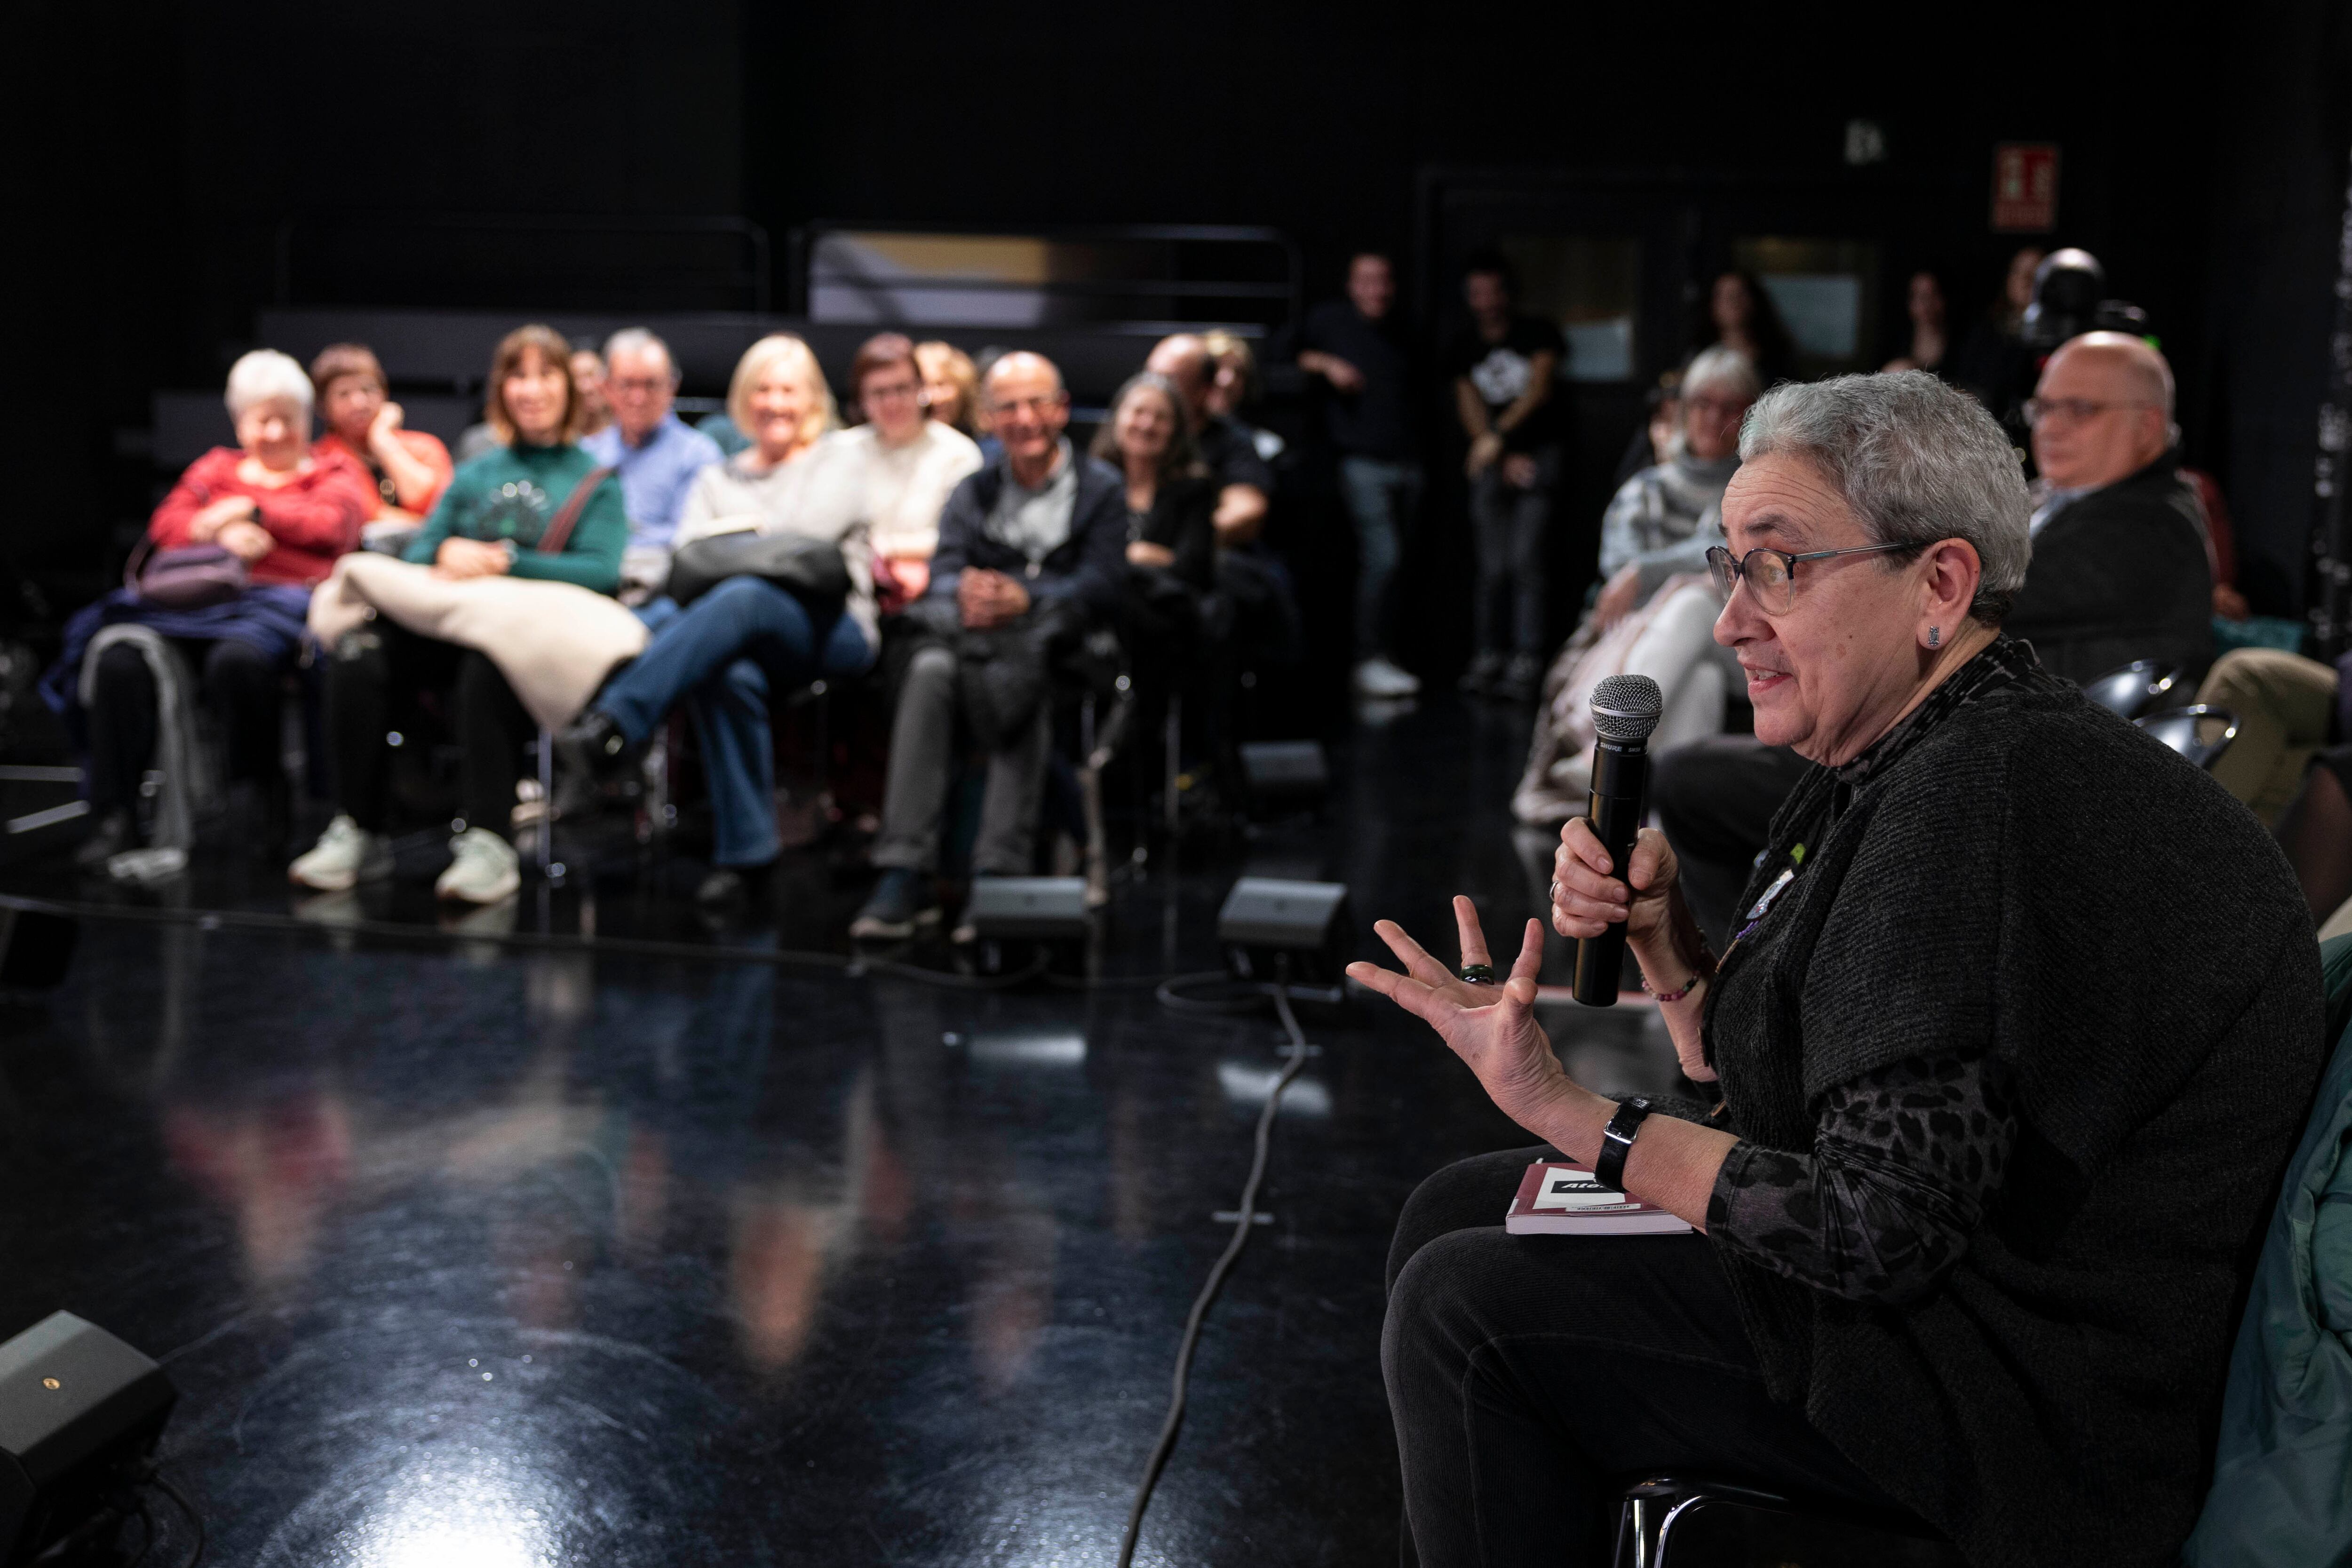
<point>555,642</point>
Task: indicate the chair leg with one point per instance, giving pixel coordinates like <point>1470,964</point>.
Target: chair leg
<point>1172,746</point>
<point>1098,857</point>
<point>546,798</point>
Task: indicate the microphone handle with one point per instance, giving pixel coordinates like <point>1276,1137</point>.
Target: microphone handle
<point>1620,777</point>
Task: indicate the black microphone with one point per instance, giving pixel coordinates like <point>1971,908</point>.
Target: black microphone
<point>1625,710</point>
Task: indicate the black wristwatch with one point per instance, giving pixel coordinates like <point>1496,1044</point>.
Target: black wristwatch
<point>1617,1141</point>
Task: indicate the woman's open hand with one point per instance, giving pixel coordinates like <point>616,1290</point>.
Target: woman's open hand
<point>1492,1028</point>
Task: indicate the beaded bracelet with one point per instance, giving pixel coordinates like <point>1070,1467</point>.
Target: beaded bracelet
<point>1703,971</point>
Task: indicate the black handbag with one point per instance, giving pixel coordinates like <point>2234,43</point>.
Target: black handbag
<point>811,570</point>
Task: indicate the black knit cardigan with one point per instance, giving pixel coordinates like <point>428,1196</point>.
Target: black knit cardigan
<point>2039,879</point>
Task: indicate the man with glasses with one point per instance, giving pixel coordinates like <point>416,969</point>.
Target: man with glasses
<point>1033,552</point>
<point>2121,567</point>
<point>656,454</point>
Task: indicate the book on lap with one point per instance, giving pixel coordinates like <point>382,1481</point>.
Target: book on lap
<point>1559,1199</point>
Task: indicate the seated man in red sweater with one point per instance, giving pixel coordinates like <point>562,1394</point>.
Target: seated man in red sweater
<point>287,512</point>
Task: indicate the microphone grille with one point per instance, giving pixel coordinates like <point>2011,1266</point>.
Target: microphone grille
<point>1625,707</point>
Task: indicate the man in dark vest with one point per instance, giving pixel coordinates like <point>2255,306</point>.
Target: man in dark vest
<point>2121,569</point>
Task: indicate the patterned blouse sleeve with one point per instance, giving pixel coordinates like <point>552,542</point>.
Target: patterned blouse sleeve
<point>1902,1163</point>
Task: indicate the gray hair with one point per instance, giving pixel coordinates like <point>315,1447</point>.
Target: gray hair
<point>638,340</point>
<point>1715,365</point>
<point>1920,461</point>
<point>263,375</point>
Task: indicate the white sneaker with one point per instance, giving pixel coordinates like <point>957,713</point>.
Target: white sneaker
<point>345,854</point>
<point>486,869</point>
<point>1376,677</point>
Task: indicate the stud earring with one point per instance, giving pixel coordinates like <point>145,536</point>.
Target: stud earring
<point>1935,637</point>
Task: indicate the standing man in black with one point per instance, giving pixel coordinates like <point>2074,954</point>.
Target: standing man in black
<point>1353,346</point>
<point>1504,368</point>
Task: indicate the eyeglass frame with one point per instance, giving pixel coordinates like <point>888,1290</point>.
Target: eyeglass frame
<point>1737,566</point>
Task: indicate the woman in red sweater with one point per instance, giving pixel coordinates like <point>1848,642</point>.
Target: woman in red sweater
<point>288,512</point>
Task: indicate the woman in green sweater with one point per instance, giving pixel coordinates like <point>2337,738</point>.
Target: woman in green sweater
<point>491,521</point>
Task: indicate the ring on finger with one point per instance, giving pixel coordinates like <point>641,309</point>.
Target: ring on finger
<point>1478,973</point>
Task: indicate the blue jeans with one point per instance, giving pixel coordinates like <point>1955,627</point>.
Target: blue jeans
<point>1382,499</point>
<point>719,658</point>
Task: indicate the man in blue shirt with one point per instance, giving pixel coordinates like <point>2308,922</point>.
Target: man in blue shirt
<point>654,451</point>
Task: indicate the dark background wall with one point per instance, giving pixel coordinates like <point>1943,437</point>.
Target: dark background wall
<point>159,148</point>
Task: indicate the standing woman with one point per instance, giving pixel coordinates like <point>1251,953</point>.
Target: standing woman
<point>409,469</point>
<point>283,510</point>
<point>489,522</point>
<point>1740,316</point>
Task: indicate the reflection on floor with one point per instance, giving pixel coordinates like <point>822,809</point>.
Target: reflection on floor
<point>470,1256</point>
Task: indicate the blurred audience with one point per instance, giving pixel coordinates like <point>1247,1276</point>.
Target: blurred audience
<point>1246,484</point>
<point>875,491</point>
<point>410,468</point>
<point>1356,352</point>
<point>1663,520</point>
<point>655,452</point>
<point>1930,342</point>
<point>1504,367</point>
<point>490,523</point>
<point>1740,316</point>
<point>593,376</point>
<point>1655,614</point>
<point>1653,441</point>
<point>1171,507</point>
<point>279,512</point>
<point>950,386</point>
<point>1995,358</point>
<point>1234,387</point>
<point>2120,570</point>
<point>1032,554</point>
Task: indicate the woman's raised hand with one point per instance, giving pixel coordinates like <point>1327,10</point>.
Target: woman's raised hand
<point>1492,1028</point>
<point>1585,898</point>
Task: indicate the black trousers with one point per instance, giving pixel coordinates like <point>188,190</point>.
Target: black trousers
<point>374,678</point>
<point>1530,1378</point>
<point>238,684</point>
<point>1715,799</point>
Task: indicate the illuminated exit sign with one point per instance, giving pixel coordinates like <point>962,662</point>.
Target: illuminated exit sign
<point>2025,187</point>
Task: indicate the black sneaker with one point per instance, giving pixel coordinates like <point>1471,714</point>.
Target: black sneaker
<point>110,834</point>
<point>901,902</point>
<point>594,746</point>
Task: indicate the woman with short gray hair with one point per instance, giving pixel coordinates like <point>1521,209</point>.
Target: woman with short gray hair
<point>2001,1066</point>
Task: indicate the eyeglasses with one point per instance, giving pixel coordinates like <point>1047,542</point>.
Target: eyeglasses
<point>1772,574</point>
<point>2073,410</point>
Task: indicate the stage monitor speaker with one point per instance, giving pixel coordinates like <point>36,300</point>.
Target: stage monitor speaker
<point>1306,920</point>
<point>80,1413</point>
<point>1286,775</point>
<point>34,948</point>
<point>1028,909</point>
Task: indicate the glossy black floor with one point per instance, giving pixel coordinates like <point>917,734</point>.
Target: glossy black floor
<point>471,1256</point>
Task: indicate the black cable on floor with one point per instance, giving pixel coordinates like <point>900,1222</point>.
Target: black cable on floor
<point>1166,1443</point>
<point>195,1519</point>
